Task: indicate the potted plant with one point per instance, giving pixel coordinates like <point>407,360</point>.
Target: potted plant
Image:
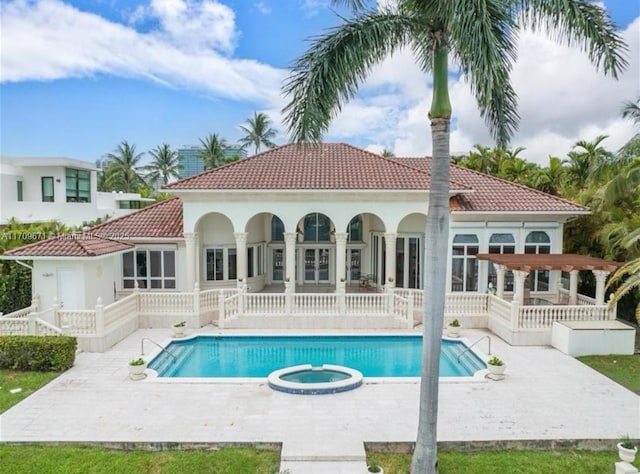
<point>137,368</point>
<point>496,366</point>
<point>179,328</point>
<point>453,328</point>
<point>627,450</point>
<point>373,466</point>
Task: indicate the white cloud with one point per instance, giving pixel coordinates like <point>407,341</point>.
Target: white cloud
<point>263,8</point>
<point>49,40</point>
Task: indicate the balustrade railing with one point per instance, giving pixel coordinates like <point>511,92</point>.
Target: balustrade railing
<point>581,299</point>
<point>403,309</point>
<point>161,303</point>
<point>21,313</point>
<point>231,307</point>
<point>78,322</point>
<point>264,303</point>
<point>543,317</point>
<point>43,328</point>
<point>374,304</point>
<point>315,303</point>
<point>14,326</point>
<point>465,304</point>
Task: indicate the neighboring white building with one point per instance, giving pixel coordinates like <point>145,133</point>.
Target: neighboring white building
<point>63,189</point>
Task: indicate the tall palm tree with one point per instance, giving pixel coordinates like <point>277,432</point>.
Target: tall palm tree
<point>589,160</point>
<point>388,153</point>
<point>164,166</point>
<point>213,151</point>
<point>258,132</point>
<point>481,36</point>
<point>551,178</point>
<point>122,173</point>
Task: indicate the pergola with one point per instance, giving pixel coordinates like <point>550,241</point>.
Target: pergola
<point>522,263</point>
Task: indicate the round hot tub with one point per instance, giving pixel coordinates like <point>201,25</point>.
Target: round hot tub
<point>309,380</point>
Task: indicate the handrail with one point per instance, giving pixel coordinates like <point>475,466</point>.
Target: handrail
<point>154,342</point>
<point>469,348</point>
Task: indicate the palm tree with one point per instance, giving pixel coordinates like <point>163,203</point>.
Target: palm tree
<point>258,132</point>
<point>551,178</point>
<point>631,111</point>
<point>481,37</point>
<point>388,153</point>
<point>164,166</point>
<point>213,151</point>
<point>122,171</point>
<point>588,161</point>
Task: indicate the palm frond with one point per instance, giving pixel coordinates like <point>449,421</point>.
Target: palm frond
<point>483,37</point>
<point>329,73</point>
<point>582,23</point>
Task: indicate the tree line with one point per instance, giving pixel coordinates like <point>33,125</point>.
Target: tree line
<point>125,173</point>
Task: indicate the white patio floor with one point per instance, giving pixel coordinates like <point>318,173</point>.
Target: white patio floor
<point>546,395</point>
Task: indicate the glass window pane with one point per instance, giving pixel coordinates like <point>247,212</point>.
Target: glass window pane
<point>170,284</point>
<point>502,239</point>
<point>127,265</point>
<point>155,261</point>
<point>141,263</point>
<point>250,262</point>
<point>355,229</point>
<point>310,225</point>
<point>233,270</point>
<point>47,189</point>
<point>155,284</point>
<point>538,237</point>
<point>400,262</point>
<point>465,239</point>
<point>324,228</point>
<point>169,264</point>
<point>128,284</point>
<point>219,264</point>
<point>277,229</point>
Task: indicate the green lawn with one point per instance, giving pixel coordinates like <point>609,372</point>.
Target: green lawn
<point>93,460</point>
<point>508,462</point>
<point>29,382</point>
<point>624,369</point>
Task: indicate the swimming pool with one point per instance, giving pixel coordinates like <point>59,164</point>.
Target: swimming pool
<point>258,356</point>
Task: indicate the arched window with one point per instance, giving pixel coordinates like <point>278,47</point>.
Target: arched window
<point>501,243</point>
<point>277,229</point>
<point>538,242</point>
<point>355,229</point>
<point>464,265</point>
<point>317,227</point>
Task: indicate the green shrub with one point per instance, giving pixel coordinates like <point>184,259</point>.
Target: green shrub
<point>38,353</point>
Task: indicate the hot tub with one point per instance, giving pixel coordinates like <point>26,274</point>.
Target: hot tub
<point>309,380</point>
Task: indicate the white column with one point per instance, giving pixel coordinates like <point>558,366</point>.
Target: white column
<point>241,256</point>
<point>390,249</point>
<point>519,277</point>
<point>601,280</point>
<point>573,287</point>
<point>500,271</point>
<point>198,257</point>
<point>341,261</point>
<point>190,240</point>
<point>290,257</point>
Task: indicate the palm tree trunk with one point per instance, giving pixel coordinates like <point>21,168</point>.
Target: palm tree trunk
<point>425,456</point>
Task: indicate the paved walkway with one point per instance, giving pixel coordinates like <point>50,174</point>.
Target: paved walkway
<point>546,395</point>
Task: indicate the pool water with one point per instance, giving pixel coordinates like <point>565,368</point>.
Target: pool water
<point>315,376</point>
<point>258,356</point>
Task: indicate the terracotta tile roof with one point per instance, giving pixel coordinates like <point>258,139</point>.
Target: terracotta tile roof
<point>163,219</point>
<point>77,244</point>
<point>494,194</point>
<point>325,166</point>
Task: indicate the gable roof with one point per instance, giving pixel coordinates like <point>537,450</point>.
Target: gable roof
<point>75,244</point>
<point>312,167</point>
<point>163,219</point>
<point>495,194</point>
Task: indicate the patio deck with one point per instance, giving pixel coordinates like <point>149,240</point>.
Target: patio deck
<point>545,396</point>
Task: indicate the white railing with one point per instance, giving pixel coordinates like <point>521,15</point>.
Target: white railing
<point>500,308</point>
<point>77,321</point>
<point>403,309</point>
<point>315,304</point>
<point>373,304</point>
<point>43,328</point>
<point>230,308</point>
<point>166,302</point>
<point>120,309</point>
<point>415,295</point>
<point>465,304</point>
<point>14,326</point>
<point>543,317</point>
<point>21,313</point>
<point>209,299</point>
<point>581,299</point>
<point>264,303</point>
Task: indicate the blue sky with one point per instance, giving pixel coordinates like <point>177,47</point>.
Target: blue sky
<point>80,76</point>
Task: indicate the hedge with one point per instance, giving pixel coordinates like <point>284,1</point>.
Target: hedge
<point>37,353</point>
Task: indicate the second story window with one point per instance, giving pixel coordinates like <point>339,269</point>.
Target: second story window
<point>19,188</point>
<point>47,189</point>
<point>78,185</point>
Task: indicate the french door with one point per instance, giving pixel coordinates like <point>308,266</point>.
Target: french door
<point>316,265</point>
